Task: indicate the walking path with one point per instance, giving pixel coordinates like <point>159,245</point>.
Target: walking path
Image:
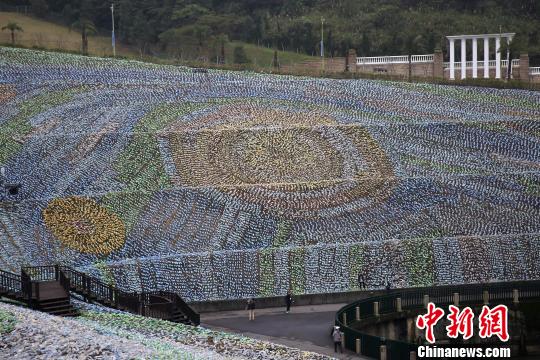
<point>305,327</point>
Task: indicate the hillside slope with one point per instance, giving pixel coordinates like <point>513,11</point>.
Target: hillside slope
<point>227,185</point>
<point>47,35</point>
<point>100,334</point>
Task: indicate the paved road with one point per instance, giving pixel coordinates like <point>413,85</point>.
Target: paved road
<point>305,327</point>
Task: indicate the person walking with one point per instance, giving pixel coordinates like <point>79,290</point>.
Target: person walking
<point>288,301</point>
<point>361,282</point>
<point>337,336</point>
<point>251,308</point>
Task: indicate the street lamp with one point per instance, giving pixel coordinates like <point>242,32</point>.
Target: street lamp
<point>113,38</point>
<point>322,42</point>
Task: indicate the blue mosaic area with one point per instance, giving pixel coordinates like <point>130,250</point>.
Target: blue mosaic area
<point>233,184</point>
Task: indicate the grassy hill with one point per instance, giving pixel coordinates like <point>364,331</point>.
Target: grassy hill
<point>47,35</point>
<point>44,34</point>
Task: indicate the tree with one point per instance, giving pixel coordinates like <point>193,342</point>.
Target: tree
<point>275,61</point>
<point>365,45</point>
<point>12,27</point>
<point>189,14</point>
<point>39,7</point>
<point>512,49</point>
<point>86,28</point>
<point>220,41</point>
<point>240,56</point>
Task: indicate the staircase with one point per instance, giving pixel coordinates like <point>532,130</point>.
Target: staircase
<point>59,307</point>
<point>179,317</point>
<point>49,288</point>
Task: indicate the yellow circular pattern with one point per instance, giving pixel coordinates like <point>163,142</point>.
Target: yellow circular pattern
<point>292,163</point>
<point>82,224</point>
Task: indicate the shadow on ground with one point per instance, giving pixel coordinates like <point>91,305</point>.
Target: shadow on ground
<point>306,327</point>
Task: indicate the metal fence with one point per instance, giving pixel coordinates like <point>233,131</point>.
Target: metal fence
<point>350,317</point>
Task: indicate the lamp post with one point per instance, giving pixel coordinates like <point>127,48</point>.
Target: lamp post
<point>322,42</point>
<point>113,38</point>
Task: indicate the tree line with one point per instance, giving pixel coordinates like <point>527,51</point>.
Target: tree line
<point>194,28</point>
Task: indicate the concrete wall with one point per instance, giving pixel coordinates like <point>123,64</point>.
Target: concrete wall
<point>279,301</point>
<point>417,69</point>
<point>336,64</point>
<point>433,69</point>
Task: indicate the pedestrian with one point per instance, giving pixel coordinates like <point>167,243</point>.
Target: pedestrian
<point>361,283</point>
<point>337,336</point>
<point>288,301</point>
<point>251,308</point>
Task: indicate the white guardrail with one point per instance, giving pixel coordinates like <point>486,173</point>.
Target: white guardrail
<point>480,64</point>
<point>402,59</point>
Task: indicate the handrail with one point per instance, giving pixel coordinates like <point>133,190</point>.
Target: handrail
<point>41,273</point>
<point>194,317</point>
<point>27,284</point>
<point>179,303</point>
<point>400,59</point>
<point>10,282</point>
<point>480,64</point>
<point>9,275</point>
<point>138,303</point>
<point>413,299</point>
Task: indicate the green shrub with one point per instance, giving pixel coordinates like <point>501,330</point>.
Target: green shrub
<point>240,56</point>
<point>7,322</point>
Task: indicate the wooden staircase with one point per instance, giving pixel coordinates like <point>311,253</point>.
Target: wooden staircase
<point>59,307</point>
<point>54,299</point>
<point>49,288</point>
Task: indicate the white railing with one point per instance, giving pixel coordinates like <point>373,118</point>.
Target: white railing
<point>534,71</point>
<point>402,59</point>
<point>422,58</point>
<point>480,64</point>
<point>382,60</point>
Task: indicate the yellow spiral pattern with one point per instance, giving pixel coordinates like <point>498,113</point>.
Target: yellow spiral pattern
<point>83,225</point>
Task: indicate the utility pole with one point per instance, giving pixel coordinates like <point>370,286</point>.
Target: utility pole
<point>322,42</point>
<point>508,60</point>
<point>113,38</point>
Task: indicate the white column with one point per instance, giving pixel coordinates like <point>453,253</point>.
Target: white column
<point>463,58</point>
<point>498,57</point>
<point>452,60</point>
<point>486,57</point>
<point>475,58</point>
